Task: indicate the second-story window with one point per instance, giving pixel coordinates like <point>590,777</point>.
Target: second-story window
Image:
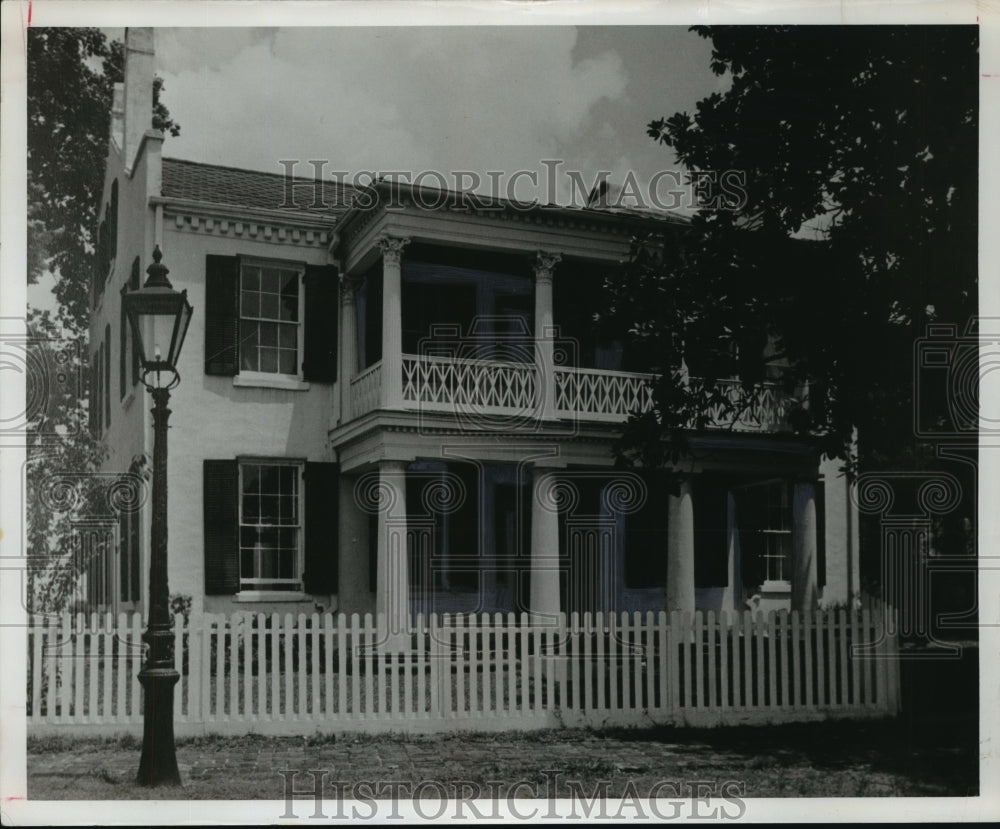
<point>269,318</point>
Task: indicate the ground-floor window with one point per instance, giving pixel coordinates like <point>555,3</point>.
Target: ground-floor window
<point>270,520</point>
<point>765,517</point>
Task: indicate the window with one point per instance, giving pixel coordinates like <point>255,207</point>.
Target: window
<point>270,521</point>
<point>766,530</point>
<point>270,527</point>
<point>269,318</point>
<point>106,385</point>
<point>125,343</point>
<point>270,323</point>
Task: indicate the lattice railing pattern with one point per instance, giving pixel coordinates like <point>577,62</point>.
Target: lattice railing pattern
<point>611,395</point>
<point>431,380</point>
<point>366,389</point>
<point>450,384</point>
<point>768,409</point>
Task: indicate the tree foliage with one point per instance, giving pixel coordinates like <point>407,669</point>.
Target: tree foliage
<point>858,151</point>
<point>71,77</point>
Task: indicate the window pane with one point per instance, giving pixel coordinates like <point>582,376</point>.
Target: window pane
<point>269,360</point>
<point>287,564</point>
<point>268,509</point>
<point>248,349</point>
<point>251,508</point>
<point>268,564</point>
<point>288,336</point>
<point>246,564</point>
<point>251,477</point>
<point>251,278</point>
<point>249,304</point>
<point>270,479</point>
<point>270,280</point>
<point>269,306</point>
<point>290,297</point>
<point>286,362</point>
<point>268,334</point>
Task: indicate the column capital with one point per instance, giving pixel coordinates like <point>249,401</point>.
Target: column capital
<point>392,248</point>
<point>545,264</point>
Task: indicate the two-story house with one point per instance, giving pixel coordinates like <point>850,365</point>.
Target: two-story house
<point>394,401</point>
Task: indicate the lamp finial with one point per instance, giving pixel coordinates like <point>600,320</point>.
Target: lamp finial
<point>157,271</point>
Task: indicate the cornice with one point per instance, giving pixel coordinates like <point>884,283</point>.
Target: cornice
<point>188,215</point>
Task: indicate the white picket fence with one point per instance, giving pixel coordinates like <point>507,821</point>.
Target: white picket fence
<point>296,675</point>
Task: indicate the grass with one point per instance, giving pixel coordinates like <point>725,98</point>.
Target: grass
<point>823,759</point>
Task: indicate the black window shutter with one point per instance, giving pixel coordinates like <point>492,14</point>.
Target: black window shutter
<point>321,532</point>
<point>319,362</point>
<point>133,285</point>
<point>221,315</point>
<point>221,484</point>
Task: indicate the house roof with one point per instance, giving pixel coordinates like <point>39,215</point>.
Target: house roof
<point>231,186</point>
<point>236,187</point>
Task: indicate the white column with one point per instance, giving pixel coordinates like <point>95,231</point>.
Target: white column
<point>392,596</point>
<point>804,546</point>
<point>392,321</point>
<point>348,345</point>
<point>680,549</point>
<point>545,561</point>
<point>545,264</point>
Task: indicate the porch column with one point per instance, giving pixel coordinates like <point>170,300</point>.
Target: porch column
<point>392,321</point>
<point>545,264</point>
<point>680,549</point>
<point>544,598</point>
<point>804,591</point>
<point>348,345</point>
<point>392,595</point>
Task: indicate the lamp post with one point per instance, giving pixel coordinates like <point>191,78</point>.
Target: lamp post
<point>158,316</point>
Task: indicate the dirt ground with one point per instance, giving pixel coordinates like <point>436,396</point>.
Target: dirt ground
<point>859,759</point>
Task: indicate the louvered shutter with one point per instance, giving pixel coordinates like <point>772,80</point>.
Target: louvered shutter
<point>321,531</point>
<point>221,315</point>
<point>221,494</point>
<point>319,362</point>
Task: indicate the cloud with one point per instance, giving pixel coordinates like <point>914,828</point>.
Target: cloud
<point>377,99</point>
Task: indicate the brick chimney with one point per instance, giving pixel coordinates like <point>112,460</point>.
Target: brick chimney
<point>138,91</point>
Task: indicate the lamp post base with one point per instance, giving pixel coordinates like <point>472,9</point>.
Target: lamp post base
<point>158,763</point>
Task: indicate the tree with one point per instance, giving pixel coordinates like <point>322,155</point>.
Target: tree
<point>70,91</point>
<point>71,80</point>
<point>864,138</point>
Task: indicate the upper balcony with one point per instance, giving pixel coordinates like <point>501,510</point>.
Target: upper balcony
<point>504,392</point>
<point>493,344</point>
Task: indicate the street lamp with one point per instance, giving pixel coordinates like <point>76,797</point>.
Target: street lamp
<point>158,316</point>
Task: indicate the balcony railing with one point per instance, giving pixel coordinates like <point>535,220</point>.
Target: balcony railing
<point>434,383</point>
<point>440,383</point>
<point>366,390</point>
<point>595,394</point>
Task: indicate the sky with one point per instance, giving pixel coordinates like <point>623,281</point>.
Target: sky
<point>439,99</point>
<point>432,100</point>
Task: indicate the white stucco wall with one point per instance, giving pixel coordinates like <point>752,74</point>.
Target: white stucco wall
<point>211,418</point>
